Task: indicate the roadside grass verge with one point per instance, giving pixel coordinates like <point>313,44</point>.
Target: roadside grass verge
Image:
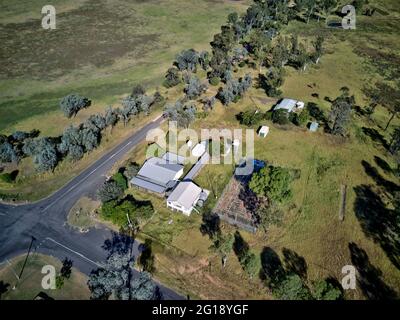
<point>30,285</point>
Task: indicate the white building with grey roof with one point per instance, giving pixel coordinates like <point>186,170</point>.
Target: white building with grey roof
<point>289,105</point>
<point>185,197</point>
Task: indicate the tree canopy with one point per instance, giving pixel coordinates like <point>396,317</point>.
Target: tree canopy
<point>272,182</point>
<point>72,104</point>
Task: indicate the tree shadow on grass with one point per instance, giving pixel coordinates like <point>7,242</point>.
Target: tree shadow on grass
<point>295,263</point>
<point>139,203</point>
<point>375,136</point>
<point>240,246</point>
<point>3,288</point>
<point>146,259</point>
<point>272,271</point>
<point>119,243</point>
<point>388,185</point>
<point>369,277</point>
<point>378,222</point>
<point>210,224</point>
<point>383,165</point>
<point>359,111</point>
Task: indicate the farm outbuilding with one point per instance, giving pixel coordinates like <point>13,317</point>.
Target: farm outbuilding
<point>289,105</point>
<point>199,149</point>
<point>156,174</point>
<point>263,131</point>
<point>314,126</point>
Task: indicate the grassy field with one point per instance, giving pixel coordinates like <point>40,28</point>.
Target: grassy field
<point>312,228</point>
<point>29,286</point>
<point>100,49</point>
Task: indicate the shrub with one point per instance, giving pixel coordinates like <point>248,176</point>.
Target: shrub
<point>280,116</point>
<point>9,177</point>
<point>236,99</point>
<point>117,211</point>
<point>292,288</point>
<point>250,264</point>
<point>268,115</point>
<point>172,78</point>
<point>201,115</point>
<point>131,170</point>
<point>272,182</point>
<point>242,64</point>
<point>214,81</point>
<point>120,179</point>
<point>250,117</point>
<point>315,112</point>
<point>302,118</point>
<point>109,191</point>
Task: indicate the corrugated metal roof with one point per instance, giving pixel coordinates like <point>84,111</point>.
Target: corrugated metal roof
<point>186,194</point>
<point>173,157</point>
<point>197,167</point>
<point>147,185</point>
<point>287,104</point>
<point>159,170</point>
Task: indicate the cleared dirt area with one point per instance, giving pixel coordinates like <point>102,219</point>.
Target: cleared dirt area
<point>83,214</point>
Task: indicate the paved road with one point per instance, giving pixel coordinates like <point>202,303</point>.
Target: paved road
<point>45,220</point>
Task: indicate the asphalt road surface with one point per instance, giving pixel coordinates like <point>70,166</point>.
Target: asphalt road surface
<point>45,220</point>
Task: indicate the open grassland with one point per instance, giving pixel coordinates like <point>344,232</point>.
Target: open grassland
<point>99,49</point>
<point>30,284</point>
<point>312,227</point>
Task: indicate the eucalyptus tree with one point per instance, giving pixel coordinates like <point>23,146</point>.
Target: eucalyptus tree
<point>194,88</point>
<point>110,190</point>
<point>208,103</point>
<point>111,117</point>
<point>187,60</point>
<point>183,114</point>
<point>8,153</point>
<point>44,153</point>
<point>204,60</point>
<point>72,104</point>
<point>172,77</point>
<point>340,114</point>
<point>71,143</point>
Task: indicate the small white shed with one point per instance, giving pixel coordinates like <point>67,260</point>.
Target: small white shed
<point>263,131</point>
<point>199,149</point>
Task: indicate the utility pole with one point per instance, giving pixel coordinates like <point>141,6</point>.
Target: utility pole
<point>26,259</point>
<point>130,226</point>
